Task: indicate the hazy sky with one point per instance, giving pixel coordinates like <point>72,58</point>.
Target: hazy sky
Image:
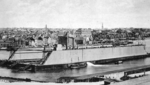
<point>75,13</point>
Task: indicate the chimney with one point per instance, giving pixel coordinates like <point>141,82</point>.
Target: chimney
<point>102,26</point>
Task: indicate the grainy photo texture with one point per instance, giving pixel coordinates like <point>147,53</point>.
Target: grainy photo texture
<point>75,42</point>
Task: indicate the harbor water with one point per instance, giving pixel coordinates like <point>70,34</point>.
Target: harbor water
<point>90,69</point>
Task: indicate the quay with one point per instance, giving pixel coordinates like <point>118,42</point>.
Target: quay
<point>109,76</point>
<point>12,80</point>
<point>138,81</point>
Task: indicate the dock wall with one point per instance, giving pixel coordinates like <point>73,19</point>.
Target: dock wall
<point>147,43</point>
<point>4,55</point>
<point>83,55</point>
<point>19,55</point>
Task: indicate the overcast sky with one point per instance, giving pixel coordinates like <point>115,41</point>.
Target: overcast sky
<point>75,13</point>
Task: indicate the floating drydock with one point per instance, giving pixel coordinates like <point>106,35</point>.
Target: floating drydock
<point>63,58</point>
<point>93,54</point>
<point>96,54</point>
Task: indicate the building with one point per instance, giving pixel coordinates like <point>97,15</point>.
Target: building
<point>83,32</point>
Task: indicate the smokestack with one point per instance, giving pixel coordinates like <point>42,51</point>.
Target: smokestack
<point>46,26</point>
<point>102,26</point>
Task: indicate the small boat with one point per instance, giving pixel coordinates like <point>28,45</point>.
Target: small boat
<point>77,65</point>
<point>119,62</point>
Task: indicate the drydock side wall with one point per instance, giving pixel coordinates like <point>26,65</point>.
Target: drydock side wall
<point>82,55</point>
<point>147,43</point>
<point>4,55</point>
<point>71,56</point>
<point>19,55</point>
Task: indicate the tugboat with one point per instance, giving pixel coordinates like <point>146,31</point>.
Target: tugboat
<point>77,65</point>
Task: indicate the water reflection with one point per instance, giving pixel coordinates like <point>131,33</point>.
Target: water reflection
<point>52,75</point>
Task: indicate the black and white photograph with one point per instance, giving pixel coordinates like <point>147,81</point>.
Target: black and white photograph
<point>74,42</point>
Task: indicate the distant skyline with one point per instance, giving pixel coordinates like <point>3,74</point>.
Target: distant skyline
<point>75,13</point>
